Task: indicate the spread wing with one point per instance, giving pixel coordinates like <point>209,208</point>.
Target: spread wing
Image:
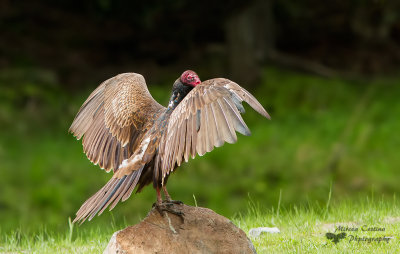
<point>206,118</point>
<point>114,118</point>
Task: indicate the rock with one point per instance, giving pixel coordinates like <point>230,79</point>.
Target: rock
<point>256,232</point>
<point>201,231</point>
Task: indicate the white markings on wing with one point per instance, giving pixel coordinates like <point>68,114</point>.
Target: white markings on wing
<point>138,157</point>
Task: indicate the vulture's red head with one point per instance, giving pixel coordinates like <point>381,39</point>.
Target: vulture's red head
<point>190,78</point>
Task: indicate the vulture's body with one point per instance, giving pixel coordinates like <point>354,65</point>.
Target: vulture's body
<point>125,130</point>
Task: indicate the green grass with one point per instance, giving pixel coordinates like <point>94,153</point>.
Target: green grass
<point>303,230</point>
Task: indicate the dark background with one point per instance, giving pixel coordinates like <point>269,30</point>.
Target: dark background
<point>326,71</point>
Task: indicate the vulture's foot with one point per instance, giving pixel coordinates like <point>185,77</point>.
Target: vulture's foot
<point>168,206</point>
<point>170,201</point>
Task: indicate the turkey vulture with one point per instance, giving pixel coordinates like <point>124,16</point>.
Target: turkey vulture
<point>125,130</point>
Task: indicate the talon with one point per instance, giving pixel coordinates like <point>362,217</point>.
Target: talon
<point>168,207</point>
<point>176,202</point>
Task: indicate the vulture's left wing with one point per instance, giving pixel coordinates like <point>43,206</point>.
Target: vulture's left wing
<point>113,120</point>
<point>206,118</point>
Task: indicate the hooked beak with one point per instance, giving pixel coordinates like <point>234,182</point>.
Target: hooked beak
<point>196,82</point>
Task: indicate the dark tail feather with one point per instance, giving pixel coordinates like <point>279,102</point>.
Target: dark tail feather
<point>112,192</point>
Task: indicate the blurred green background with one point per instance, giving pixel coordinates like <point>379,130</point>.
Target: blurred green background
<point>327,72</point>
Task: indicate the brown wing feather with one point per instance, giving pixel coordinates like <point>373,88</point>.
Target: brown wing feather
<point>241,93</point>
<point>215,105</point>
<point>113,120</point>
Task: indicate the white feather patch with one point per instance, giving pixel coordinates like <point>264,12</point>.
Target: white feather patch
<point>137,157</point>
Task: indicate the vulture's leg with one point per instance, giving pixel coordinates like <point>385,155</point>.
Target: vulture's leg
<point>168,197</point>
<point>166,206</point>
<point>159,198</point>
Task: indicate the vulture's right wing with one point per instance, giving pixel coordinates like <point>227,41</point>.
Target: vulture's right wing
<point>206,118</point>
<point>114,118</point>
